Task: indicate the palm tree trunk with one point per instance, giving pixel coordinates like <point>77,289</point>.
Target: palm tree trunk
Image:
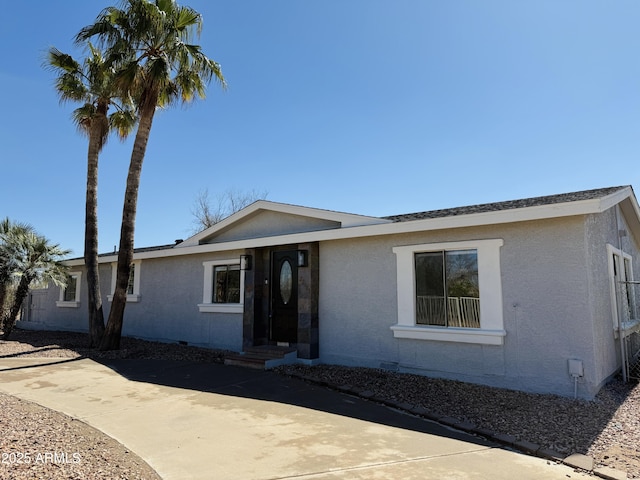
<point>21,293</point>
<point>113,331</point>
<point>96,314</point>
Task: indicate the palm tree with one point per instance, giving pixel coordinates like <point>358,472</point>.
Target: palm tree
<point>148,42</point>
<point>8,260</point>
<point>34,260</point>
<point>92,83</point>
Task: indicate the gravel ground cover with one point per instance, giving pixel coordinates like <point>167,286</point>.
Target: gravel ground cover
<point>607,428</point>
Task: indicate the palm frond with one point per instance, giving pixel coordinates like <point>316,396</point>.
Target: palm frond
<point>123,122</point>
<point>82,117</point>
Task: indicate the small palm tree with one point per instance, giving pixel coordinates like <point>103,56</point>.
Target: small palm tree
<point>8,258</point>
<point>148,42</point>
<point>34,259</point>
<point>92,83</point>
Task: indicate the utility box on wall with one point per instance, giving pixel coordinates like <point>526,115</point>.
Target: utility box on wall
<point>576,368</point>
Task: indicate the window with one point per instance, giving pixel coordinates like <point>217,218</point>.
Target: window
<point>450,291</point>
<point>623,292</point>
<point>223,287</point>
<point>69,292</point>
<point>132,278</point>
<point>447,291</point>
<point>70,295</point>
<point>133,287</point>
<point>226,284</point>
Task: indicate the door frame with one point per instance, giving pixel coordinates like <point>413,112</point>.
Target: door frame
<point>257,298</point>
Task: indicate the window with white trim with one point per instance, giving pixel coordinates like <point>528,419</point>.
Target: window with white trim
<point>447,291</point>
<point>623,289</point>
<point>450,291</point>
<point>223,290</point>
<point>133,287</point>
<point>70,295</point>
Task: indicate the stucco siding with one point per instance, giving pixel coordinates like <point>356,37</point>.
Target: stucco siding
<point>546,316</point>
<point>170,291</point>
<point>271,223</point>
<point>554,302</point>
<point>167,310</point>
<point>601,231</point>
<point>53,317</point>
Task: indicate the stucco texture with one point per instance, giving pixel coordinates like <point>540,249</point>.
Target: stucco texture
<point>546,312</point>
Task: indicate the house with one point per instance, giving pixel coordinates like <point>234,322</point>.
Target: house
<point>531,294</point>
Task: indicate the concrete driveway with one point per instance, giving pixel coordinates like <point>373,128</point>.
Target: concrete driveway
<point>209,421</point>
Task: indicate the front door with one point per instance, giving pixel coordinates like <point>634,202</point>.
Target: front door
<point>284,297</point>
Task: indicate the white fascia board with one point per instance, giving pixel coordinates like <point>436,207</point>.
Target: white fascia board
<point>617,197</point>
<point>195,239</point>
<point>78,262</point>
<point>346,220</point>
<point>541,212</point>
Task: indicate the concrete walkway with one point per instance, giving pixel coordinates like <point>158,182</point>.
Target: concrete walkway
<point>206,421</point>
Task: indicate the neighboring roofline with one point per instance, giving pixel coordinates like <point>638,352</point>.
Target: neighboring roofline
<point>623,196</point>
<point>345,220</point>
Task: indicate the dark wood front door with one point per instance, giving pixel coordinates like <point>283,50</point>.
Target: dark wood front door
<point>284,297</point>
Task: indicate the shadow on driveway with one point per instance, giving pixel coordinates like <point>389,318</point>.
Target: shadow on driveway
<point>272,387</point>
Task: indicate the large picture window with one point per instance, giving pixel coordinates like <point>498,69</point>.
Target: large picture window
<point>450,291</point>
<point>223,290</point>
<point>447,291</point>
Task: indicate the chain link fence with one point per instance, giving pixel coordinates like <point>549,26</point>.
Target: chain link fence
<point>627,308</point>
<point>632,354</point>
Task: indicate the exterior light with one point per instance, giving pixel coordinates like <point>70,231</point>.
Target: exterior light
<point>303,258</point>
<point>245,262</point>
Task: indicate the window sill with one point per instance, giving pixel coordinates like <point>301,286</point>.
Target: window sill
<point>461,335</point>
<point>221,307</point>
<point>130,298</point>
<point>68,304</point>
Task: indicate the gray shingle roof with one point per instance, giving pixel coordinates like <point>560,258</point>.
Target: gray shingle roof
<point>140,250</point>
<point>508,205</point>
<point>451,212</point>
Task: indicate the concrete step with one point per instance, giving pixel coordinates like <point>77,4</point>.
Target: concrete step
<point>263,357</point>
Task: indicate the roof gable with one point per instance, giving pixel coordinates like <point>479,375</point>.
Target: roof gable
<point>264,218</point>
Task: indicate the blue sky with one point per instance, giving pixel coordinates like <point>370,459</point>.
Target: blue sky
<point>375,107</point>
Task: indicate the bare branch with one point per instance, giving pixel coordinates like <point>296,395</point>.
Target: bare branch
<point>208,212</point>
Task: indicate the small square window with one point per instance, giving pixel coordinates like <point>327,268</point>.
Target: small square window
<point>223,287</point>
<point>226,284</point>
